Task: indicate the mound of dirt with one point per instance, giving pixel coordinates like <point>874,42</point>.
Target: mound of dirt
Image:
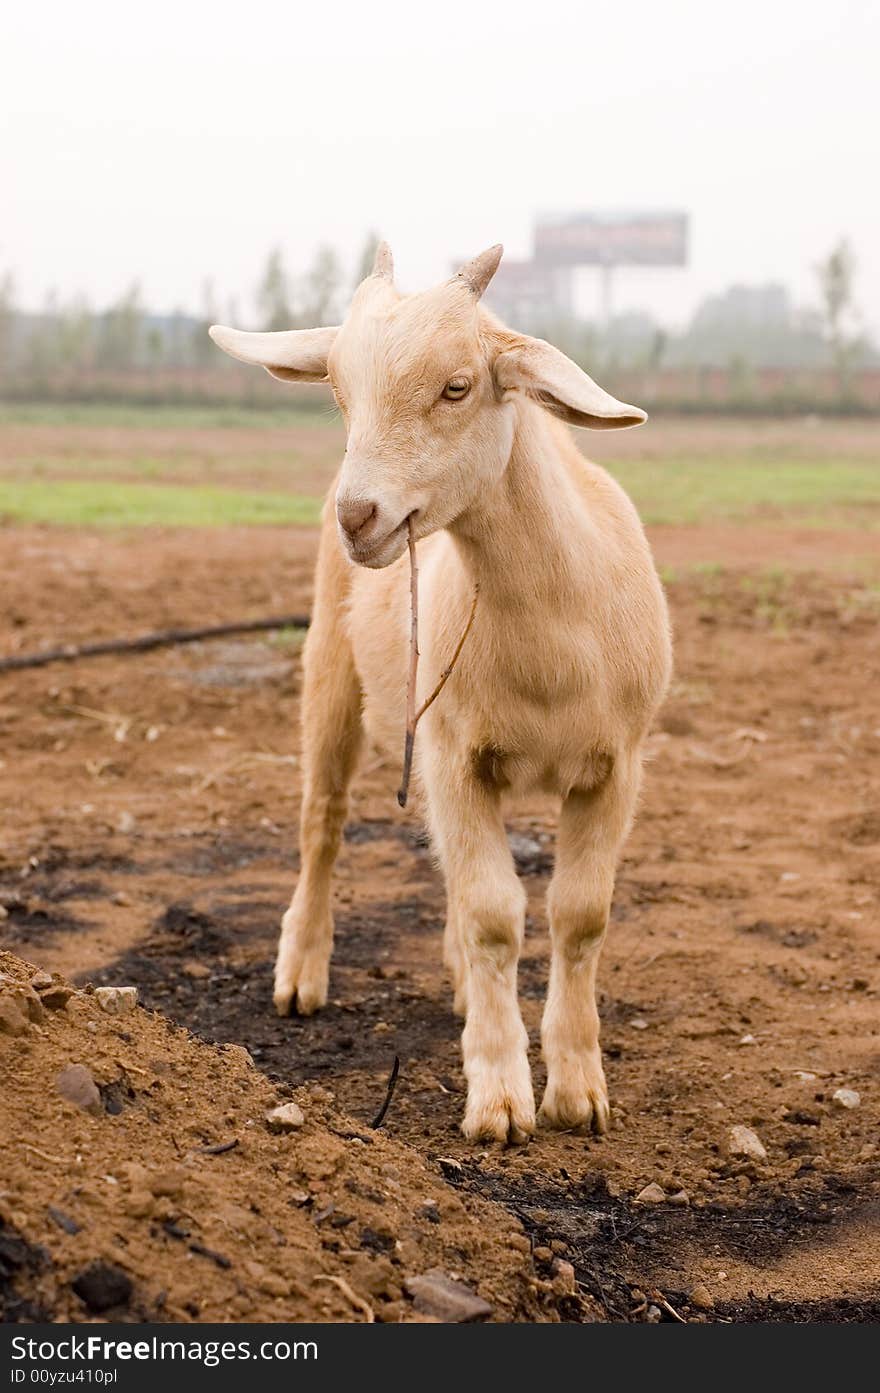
<point>145,1177</point>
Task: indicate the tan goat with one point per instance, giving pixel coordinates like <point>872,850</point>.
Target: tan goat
<point>449,419</point>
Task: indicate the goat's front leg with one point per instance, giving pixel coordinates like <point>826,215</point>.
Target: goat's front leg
<point>331,742</point>
<point>484,935</point>
<point>592,826</point>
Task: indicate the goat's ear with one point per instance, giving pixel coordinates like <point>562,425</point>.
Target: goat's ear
<point>297,355</point>
<point>540,370</point>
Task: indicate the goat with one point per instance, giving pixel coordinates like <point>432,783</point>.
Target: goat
<point>450,429</point>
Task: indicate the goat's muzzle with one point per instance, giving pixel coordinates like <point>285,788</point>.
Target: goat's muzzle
<point>355,517</point>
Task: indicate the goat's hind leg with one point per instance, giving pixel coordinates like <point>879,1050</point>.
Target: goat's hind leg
<point>592,826</point>
<point>330,747</point>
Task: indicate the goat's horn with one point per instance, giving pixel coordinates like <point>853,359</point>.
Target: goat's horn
<point>477,273</point>
<point>383,264</point>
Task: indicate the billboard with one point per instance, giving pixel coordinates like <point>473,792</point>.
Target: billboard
<point>612,239</point>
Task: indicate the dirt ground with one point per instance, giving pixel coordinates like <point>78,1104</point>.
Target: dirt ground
<point>162,1192</point>
<point>149,838</point>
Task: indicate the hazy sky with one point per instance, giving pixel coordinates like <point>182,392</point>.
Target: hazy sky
<point>175,141</point>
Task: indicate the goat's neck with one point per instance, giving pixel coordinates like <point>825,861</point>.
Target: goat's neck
<point>518,539</point>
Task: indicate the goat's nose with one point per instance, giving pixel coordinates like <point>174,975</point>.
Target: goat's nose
<point>354,514</point>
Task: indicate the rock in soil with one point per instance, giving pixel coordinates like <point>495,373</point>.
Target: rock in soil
<point>33,1006</point>
<point>116,1001</point>
<point>564,1278</point>
<point>20,999</point>
<point>701,1297</point>
<point>436,1294</point>
<point>76,1084</point>
<point>743,1142</point>
<point>652,1194</point>
<point>285,1118</point>
<point>102,1285</point>
<point>450,1167</point>
<point>12,1020</point>
<point>846,1098</point>
<point>63,1220</point>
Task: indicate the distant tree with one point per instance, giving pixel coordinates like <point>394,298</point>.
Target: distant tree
<point>836,282</point>
<point>154,343</point>
<point>367,257</point>
<point>657,349</point>
<point>203,351</point>
<point>740,378</point>
<point>119,334</point>
<point>8,322</point>
<point>273,294</point>
<point>176,339</point>
<point>319,288</point>
<point>76,333</point>
<point>44,341</point>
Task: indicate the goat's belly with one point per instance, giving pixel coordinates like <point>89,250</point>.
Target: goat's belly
<point>556,766</point>
<point>517,748</point>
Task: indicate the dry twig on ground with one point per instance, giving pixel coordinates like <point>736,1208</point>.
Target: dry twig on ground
<point>144,643</point>
<point>389,1094</point>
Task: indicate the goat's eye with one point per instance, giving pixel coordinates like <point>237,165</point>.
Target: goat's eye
<point>456,388</point>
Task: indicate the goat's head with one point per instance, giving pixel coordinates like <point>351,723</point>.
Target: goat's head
<point>426,384</point>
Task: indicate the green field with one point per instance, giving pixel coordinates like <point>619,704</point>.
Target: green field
<point>817,492</point>
<point>96,466</point>
<point>97,503</point>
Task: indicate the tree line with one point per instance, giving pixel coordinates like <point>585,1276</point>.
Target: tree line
<point>740,330</point>
<point>70,336</point>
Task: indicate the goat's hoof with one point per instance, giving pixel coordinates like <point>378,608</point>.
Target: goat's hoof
<point>575,1103</point>
<point>302,967</point>
<point>500,1111</point>
<point>300,986</point>
<point>299,1001</point>
<point>300,993</point>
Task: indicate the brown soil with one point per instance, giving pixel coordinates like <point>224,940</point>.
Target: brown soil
<point>179,1184</point>
<point>150,839</point>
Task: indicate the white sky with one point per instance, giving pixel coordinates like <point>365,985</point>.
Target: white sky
<point>174,141</point>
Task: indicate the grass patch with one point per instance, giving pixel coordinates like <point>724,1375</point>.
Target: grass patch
<point>821,492</point>
<point>86,503</point>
